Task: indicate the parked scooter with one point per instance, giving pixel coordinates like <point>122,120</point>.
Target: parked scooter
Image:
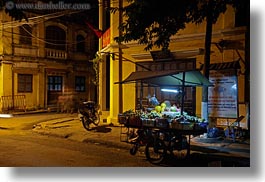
<point>88,114</point>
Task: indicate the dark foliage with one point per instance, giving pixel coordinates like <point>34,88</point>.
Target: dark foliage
<point>153,22</point>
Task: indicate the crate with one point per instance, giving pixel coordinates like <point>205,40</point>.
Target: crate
<point>188,126</point>
<point>148,122</point>
<point>182,126</point>
<point>176,125</point>
<point>134,121</point>
<point>161,123</point>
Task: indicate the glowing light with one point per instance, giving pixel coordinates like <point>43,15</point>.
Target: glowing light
<point>169,90</point>
<point>6,115</point>
<point>234,87</point>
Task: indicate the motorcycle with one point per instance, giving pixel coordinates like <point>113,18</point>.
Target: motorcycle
<point>88,114</point>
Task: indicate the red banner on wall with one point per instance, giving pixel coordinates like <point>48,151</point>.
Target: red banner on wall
<point>106,38</point>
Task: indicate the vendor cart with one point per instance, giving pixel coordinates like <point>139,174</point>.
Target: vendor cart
<point>159,136</point>
<point>162,134</point>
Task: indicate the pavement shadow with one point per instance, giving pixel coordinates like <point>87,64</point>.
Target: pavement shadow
<point>102,129</point>
<point>4,128</point>
<point>205,160</point>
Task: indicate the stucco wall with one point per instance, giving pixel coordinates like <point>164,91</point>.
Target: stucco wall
<point>192,37</point>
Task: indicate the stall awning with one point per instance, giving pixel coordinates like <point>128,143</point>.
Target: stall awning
<point>223,66</point>
<point>168,78</point>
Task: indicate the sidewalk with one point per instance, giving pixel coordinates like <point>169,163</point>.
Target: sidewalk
<point>71,128</point>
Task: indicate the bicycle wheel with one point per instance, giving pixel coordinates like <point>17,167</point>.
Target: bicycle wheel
<point>86,123</point>
<point>155,151</point>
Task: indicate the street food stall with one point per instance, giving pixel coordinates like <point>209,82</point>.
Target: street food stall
<point>164,125</point>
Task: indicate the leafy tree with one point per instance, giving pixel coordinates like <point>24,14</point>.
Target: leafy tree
<point>153,22</point>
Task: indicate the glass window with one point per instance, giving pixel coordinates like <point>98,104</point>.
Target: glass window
<point>80,84</point>
<point>55,38</point>
<point>55,83</point>
<point>24,83</point>
<point>25,32</point>
<point>80,46</point>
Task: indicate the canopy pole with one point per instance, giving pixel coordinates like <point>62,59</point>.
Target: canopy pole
<point>183,89</point>
<point>141,96</point>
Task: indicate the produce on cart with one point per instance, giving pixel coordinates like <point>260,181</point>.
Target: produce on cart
<point>167,118</point>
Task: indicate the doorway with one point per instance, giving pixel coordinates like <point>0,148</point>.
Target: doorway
<point>55,85</point>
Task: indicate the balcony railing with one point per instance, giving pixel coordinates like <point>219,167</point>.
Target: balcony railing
<point>55,54</point>
<point>16,102</point>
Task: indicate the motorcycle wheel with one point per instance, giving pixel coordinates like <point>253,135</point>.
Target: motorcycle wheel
<point>96,120</point>
<point>180,151</point>
<point>86,123</point>
<point>179,154</point>
<point>134,149</point>
<point>155,151</point>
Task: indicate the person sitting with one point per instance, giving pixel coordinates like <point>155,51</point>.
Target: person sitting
<point>153,101</point>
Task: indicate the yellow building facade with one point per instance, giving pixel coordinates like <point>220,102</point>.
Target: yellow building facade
<point>187,48</point>
<point>44,63</point>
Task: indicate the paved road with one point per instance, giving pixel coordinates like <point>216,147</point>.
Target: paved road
<point>21,146</point>
<point>66,126</point>
<point>30,149</point>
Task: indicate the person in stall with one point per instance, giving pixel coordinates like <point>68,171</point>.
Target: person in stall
<point>153,100</point>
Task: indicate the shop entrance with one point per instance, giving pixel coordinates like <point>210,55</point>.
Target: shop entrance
<point>174,65</point>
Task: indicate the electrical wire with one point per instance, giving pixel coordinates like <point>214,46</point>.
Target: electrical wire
<point>33,44</point>
<point>39,19</point>
<point>48,40</point>
<point>69,48</point>
<point>36,19</point>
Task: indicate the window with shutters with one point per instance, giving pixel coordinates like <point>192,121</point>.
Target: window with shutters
<point>24,83</point>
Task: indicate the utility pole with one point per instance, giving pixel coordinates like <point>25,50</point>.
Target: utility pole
<point>120,59</point>
<point>13,79</point>
<point>247,66</point>
<point>207,57</point>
